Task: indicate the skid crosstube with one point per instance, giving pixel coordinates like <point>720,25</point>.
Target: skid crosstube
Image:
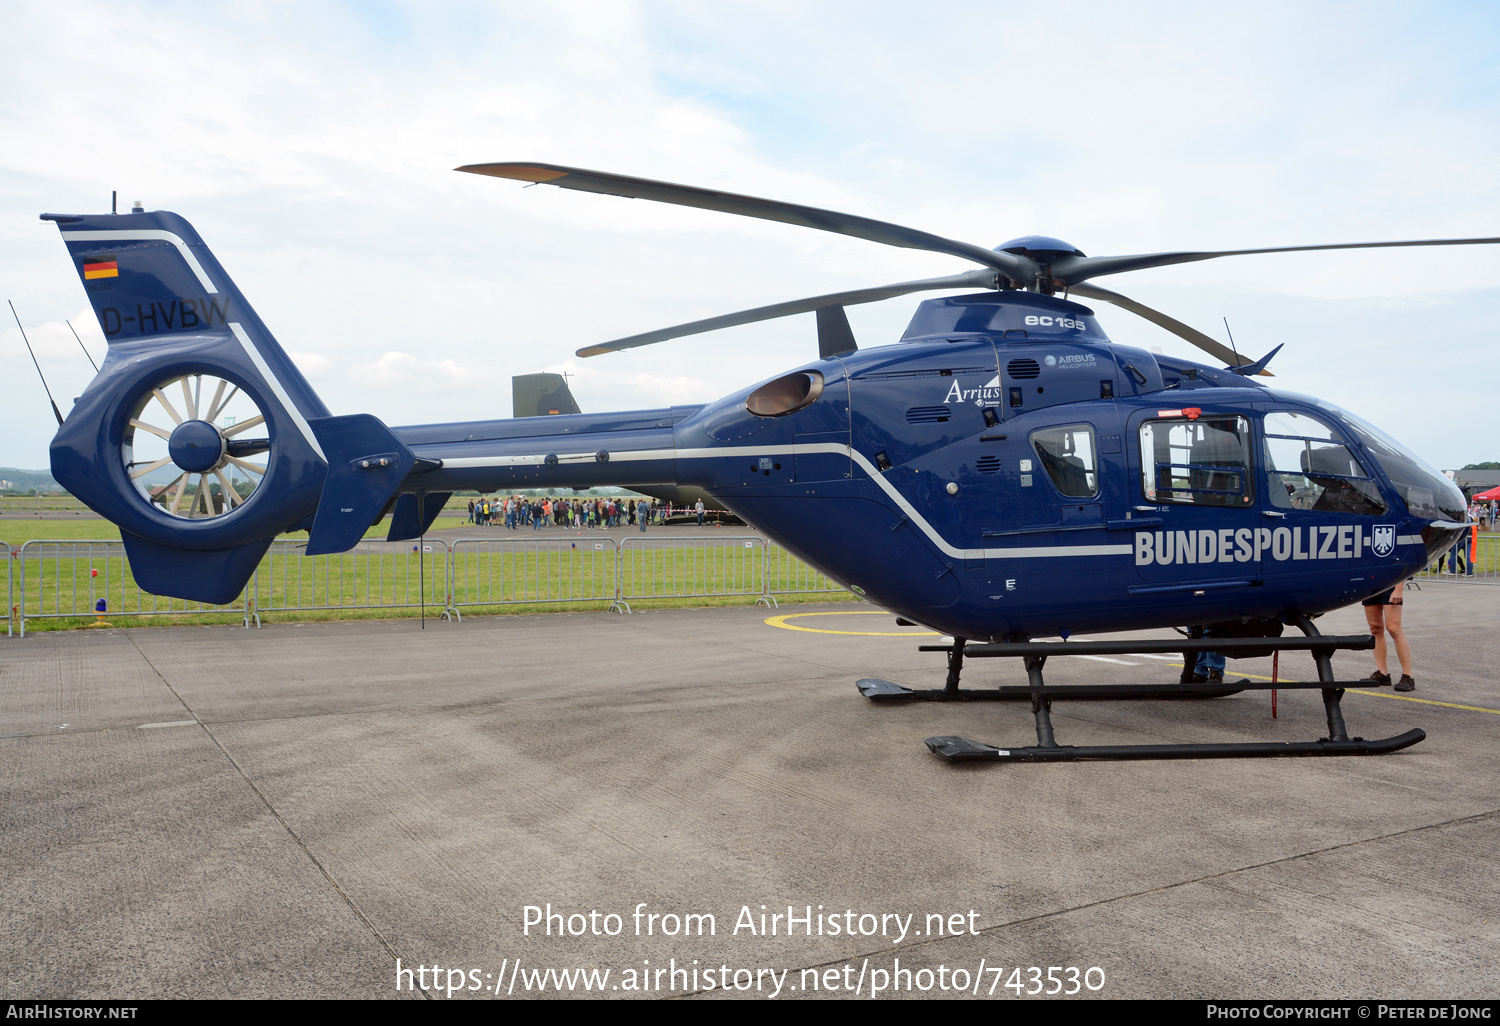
<point>1041,696</point>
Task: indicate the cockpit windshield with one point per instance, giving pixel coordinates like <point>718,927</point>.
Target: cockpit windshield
<point>1427,492</point>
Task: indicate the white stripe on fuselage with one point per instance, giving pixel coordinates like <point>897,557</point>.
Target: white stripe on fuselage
<point>831,448</point>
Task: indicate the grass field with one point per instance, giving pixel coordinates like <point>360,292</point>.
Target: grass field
<point>63,581</point>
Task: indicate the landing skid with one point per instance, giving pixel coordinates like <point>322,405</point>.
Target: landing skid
<point>957,749</point>
<point>1041,696</point>
<point>879,690</point>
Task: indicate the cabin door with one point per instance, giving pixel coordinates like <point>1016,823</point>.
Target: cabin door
<point>1194,494</point>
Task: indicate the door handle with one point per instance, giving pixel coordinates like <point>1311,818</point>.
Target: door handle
<point>1272,513</point>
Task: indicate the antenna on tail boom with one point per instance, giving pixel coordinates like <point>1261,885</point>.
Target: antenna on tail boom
<point>55,411</point>
<point>82,346</point>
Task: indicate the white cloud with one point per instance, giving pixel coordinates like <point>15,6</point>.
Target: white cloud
<point>314,365</point>
<point>407,372</point>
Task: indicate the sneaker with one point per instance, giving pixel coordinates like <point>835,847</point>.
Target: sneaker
<point>1215,676</point>
<point>1406,683</point>
<point>1378,680</point>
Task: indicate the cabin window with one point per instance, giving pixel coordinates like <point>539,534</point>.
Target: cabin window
<point>1202,462</point>
<point>1067,454</point>
<point>1309,467</point>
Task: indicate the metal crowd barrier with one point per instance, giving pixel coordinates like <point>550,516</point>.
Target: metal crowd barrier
<point>10,594</point>
<point>788,575</point>
<point>535,569</point>
<point>372,575</point>
<point>716,566</point>
<point>83,579</point>
<point>1478,562</point>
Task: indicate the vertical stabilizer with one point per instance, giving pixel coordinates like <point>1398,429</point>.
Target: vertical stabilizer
<point>541,395</point>
<point>184,345</point>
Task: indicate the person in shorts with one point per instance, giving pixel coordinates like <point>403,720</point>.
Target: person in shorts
<point>1383,614</point>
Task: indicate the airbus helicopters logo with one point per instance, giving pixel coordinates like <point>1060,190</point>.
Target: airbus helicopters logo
<point>1072,361</point>
<point>986,395</point>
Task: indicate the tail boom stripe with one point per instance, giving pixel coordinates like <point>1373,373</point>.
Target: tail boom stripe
<point>832,449</point>
<point>271,379</point>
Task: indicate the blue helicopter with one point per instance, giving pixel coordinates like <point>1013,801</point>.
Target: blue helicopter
<point>1003,474</point>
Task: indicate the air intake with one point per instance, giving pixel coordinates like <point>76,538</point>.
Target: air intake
<point>928,415</point>
<point>987,464</point>
<point>1022,369</point>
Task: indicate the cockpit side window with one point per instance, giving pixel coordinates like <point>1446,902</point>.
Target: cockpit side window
<point>1067,454</point>
<point>1426,491</point>
<point>1308,467</point>
<point>1202,462</point>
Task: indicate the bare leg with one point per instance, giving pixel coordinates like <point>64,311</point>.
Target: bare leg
<point>1398,635</point>
<point>1374,616</point>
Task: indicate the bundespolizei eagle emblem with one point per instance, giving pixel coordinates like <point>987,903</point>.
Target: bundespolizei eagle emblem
<point>1384,541</point>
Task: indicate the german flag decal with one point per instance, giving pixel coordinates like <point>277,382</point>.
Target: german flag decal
<point>100,269</point>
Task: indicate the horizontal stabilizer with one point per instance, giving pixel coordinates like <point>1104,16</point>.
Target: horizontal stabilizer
<point>411,518</point>
<point>215,576</point>
<point>366,464</point>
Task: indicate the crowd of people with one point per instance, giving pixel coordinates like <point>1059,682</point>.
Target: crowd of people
<point>517,512</point>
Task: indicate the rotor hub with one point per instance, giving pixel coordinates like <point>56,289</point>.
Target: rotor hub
<point>1042,248</point>
<point>196,446</point>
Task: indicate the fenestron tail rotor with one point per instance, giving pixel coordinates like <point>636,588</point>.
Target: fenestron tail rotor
<point>1035,262</point>
<point>189,446</point>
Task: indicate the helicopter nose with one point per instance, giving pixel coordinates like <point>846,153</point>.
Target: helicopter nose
<point>1439,536</point>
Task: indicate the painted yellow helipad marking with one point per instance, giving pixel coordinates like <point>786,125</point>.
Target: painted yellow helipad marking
<point>1382,694</point>
<point>781,621</point>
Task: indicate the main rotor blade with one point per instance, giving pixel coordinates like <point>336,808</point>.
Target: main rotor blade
<point>751,206</point>
<point>1072,270</point>
<point>967,280</point>
<point>1176,327</point>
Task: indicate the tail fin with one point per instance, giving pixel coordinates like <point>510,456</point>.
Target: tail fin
<point>541,395</point>
<point>150,278</point>
<point>173,317</point>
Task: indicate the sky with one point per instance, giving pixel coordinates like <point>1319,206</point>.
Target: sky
<point>312,146</point>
